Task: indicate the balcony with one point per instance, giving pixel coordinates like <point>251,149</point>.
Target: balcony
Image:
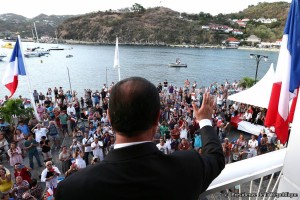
<point>253,178</point>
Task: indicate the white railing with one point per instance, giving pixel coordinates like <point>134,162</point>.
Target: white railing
<point>239,174</point>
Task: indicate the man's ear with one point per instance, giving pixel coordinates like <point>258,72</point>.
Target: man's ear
<point>156,123</point>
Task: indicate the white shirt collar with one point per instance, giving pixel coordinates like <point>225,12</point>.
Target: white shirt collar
<point>117,146</point>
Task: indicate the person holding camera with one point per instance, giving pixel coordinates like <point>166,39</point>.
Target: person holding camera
<point>23,171</point>
<point>15,154</point>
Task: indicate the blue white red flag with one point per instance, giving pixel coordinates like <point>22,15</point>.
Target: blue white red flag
<point>287,77</point>
<point>15,68</point>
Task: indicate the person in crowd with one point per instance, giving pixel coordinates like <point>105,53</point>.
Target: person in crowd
<point>64,123</point>
<point>75,144</point>
<point>4,146</point>
<point>184,144</point>
<point>162,146</point>
<point>86,144</point>
<point>19,187</point>
<point>252,147</point>
<point>19,138</point>
<point>264,144</point>
<point>78,156</point>
<point>241,142</point>
<point>65,158</point>
<point>35,190</point>
<point>46,148</point>
<point>39,131</point>
<point>227,150</point>
<point>97,148</point>
<point>23,171</point>
<point>6,181</point>
<point>23,128</point>
<point>73,169</point>
<point>53,134</point>
<point>15,154</point>
<point>50,176</point>
<point>31,147</point>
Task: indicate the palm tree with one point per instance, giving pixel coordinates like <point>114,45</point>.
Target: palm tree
<point>246,82</point>
<point>14,108</point>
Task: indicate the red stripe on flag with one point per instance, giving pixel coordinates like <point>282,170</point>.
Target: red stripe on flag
<point>273,105</point>
<point>282,129</point>
<point>12,87</point>
<point>293,107</point>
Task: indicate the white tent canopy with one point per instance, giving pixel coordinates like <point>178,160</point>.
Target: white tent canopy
<point>259,94</point>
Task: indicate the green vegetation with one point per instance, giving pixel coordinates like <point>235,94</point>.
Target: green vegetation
<point>246,82</point>
<point>14,108</point>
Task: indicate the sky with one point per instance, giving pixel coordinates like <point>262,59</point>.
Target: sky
<point>32,8</point>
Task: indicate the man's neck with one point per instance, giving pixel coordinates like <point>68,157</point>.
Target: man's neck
<point>145,136</point>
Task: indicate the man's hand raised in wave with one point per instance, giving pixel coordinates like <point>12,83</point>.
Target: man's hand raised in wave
<point>206,109</point>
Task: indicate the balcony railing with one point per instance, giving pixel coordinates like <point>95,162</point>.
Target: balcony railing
<point>253,178</point>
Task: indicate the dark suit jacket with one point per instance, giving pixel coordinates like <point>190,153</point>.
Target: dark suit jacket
<point>143,172</point>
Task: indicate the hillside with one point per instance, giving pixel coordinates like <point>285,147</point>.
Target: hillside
<point>46,25</point>
<point>154,25</point>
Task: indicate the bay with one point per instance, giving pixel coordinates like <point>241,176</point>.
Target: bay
<point>91,66</point>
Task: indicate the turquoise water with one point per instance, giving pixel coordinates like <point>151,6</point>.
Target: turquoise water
<point>91,66</point>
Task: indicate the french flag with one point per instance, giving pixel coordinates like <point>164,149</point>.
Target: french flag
<point>287,77</point>
<point>15,68</point>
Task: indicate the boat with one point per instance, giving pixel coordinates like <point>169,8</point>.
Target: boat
<point>69,56</point>
<point>55,48</point>
<point>38,50</point>
<point>8,45</point>
<point>33,54</point>
<point>2,56</point>
<point>177,65</point>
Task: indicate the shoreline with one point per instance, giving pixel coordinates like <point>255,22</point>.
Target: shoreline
<point>171,45</point>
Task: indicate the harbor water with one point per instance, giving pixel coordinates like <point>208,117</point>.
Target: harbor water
<point>91,66</point>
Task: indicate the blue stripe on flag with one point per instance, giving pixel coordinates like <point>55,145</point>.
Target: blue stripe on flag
<point>292,29</point>
<point>17,53</point>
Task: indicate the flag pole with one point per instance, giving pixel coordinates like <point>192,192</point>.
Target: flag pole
<point>117,59</point>
<point>69,80</point>
<point>28,82</point>
<point>119,73</point>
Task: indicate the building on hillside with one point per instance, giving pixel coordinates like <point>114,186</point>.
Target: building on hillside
<point>237,32</point>
<point>253,40</point>
<point>241,23</point>
<point>231,42</point>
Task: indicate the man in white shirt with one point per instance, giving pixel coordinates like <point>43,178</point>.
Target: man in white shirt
<point>97,148</point>
<point>39,132</point>
<point>252,145</point>
<point>71,109</point>
<point>49,175</point>
<point>162,146</point>
<point>86,143</point>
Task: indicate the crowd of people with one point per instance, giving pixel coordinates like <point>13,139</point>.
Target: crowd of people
<point>84,120</point>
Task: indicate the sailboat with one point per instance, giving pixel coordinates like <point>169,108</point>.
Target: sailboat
<point>56,47</point>
<point>116,59</point>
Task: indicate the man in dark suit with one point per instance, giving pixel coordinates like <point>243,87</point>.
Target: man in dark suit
<point>136,169</point>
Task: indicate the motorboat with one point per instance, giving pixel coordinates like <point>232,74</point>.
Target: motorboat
<point>8,45</point>
<point>69,56</point>
<point>177,65</point>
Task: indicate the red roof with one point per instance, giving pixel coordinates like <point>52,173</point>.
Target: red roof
<point>232,39</point>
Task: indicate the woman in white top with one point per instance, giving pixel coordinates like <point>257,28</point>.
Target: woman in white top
<point>78,156</point>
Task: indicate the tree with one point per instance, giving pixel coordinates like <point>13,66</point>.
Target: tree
<point>137,8</point>
<point>246,82</point>
<point>14,108</point>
